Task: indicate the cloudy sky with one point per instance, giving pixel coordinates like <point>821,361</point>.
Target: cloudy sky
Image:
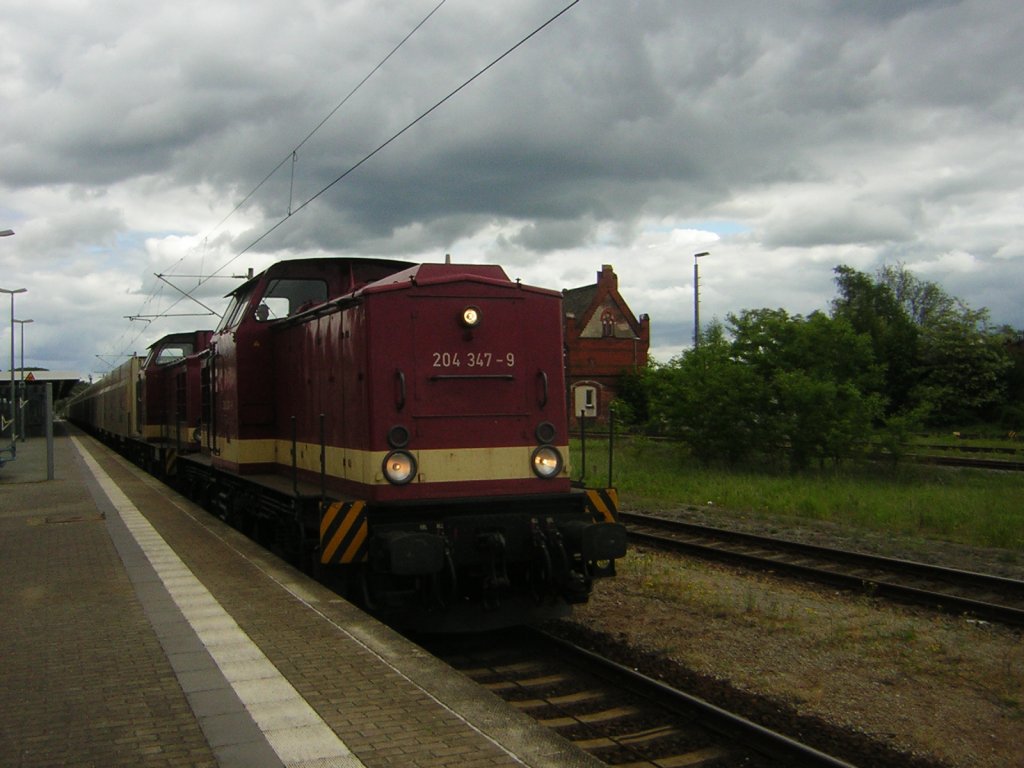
<point>141,138</point>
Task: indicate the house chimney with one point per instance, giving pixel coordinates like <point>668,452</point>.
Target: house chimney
<point>607,274</point>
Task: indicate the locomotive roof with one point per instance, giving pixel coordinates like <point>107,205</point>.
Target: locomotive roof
<point>406,274</point>
<point>176,337</point>
<point>435,274</point>
<point>298,265</point>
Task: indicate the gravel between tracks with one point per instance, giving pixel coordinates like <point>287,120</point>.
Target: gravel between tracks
<point>893,685</point>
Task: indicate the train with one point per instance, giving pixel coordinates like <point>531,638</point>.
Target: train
<point>398,429</point>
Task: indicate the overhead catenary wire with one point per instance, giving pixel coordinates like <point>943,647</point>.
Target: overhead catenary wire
<point>291,156</point>
<point>423,115</point>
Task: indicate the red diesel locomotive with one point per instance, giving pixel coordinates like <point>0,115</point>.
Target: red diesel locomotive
<point>401,427</point>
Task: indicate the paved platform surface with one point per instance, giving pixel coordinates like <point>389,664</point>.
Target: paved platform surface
<point>137,630</point>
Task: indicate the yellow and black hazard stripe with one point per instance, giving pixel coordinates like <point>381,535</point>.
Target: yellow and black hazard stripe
<point>603,504</point>
<point>170,461</point>
<point>344,531</point>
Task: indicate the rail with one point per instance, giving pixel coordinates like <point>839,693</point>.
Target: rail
<point>986,596</point>
<point>619,715</point>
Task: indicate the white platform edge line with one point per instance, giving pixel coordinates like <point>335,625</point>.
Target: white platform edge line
<point>261,688</point>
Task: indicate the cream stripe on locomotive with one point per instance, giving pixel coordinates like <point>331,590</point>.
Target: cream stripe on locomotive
<point>434,465</point>
<point>164,432</point>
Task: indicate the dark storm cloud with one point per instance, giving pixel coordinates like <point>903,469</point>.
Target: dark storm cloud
<point>822,132</point>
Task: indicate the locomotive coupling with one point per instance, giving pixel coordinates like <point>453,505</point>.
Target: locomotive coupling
<point>409,553</point>
<point>595,541</point>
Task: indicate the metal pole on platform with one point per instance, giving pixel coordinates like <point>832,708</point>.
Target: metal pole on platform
<point>14,436</point>
<point>49,430</point>
<point>21,404</point>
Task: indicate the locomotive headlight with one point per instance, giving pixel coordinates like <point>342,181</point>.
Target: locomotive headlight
<point>470,317</point>
<point>399,467</point>
<point>546,462</point>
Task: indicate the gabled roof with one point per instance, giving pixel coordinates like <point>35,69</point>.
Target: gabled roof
<point>578,300</point>
<point>582,302</point>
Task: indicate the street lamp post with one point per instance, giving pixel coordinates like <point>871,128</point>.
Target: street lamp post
<point>21,405</point>
<point>12,292</point>
<point>8,233</point>
<point>696,298</point>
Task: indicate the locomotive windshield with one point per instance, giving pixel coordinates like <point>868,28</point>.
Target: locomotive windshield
<point>286,296</point>
<point>283,297</point>
<point>238,302</point>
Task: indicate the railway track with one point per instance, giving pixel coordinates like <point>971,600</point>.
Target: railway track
<point>993,598</point>
<point>619,716</point>
<point>1005,465</point>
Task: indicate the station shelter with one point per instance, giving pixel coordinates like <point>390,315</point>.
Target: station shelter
<point>30,398</point>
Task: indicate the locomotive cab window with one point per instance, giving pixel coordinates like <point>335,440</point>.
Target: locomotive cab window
<point>234,311</point>
<point>171,353</point>
<point>287,296</point>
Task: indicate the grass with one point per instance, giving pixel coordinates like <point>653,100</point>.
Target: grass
<point>965,506</point>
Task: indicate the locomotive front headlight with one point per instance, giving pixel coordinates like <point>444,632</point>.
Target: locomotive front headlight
<point>399,467</point>
<point>546,462</point>
<point>470,317</point>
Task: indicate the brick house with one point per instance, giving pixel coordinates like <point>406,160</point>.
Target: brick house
<point>603,340</point>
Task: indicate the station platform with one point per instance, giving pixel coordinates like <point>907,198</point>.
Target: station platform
<point>137,630</point>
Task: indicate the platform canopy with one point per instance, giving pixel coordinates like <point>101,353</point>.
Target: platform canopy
<point>62,381</point>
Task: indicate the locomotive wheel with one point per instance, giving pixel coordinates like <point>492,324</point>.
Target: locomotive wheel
<point>292,541</point>
<point>541,576</point>
<point>442,588</point>
<point>364,590</point>
<point>309,553</point>
<point>266,535</point>
<point>201,494</point>
<point>235,512</point>
<point>338,580</point>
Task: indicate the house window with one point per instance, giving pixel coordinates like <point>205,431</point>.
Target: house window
<point>607,323</point>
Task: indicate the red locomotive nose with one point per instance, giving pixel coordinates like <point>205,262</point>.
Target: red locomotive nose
<point>400,423</point>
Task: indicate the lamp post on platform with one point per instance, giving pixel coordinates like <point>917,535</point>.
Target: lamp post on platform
<point>21,406</point>
<point>696,298</point>
<point>8,233</point>
<point>12,292</point>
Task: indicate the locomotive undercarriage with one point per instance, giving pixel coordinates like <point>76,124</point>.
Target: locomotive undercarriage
<point>442,568</point>
<point>452,567</point>
<point>281,522</point>
<point>489,565</point>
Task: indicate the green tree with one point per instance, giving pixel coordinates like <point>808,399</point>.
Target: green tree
<point>819,383</point>
<point>894,352</point>
<point>957,367</point>
<point>923,301</point>
<point>873,308</point>
<point>710,400</point>
<point>1011,413</point>
<point>964,367</point>
<point>632,404</point>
